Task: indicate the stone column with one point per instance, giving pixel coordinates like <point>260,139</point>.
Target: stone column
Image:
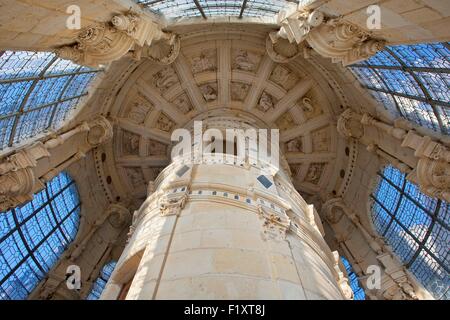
<point>218,229</point>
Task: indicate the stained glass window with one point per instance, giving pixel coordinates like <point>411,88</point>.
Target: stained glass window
<point>358,292</point>
<point>37,92</point>
<point>33,236</point>
<point>100,282</point>
<point>416,227</point>
<point>411,81</point>
<point>209,8</point>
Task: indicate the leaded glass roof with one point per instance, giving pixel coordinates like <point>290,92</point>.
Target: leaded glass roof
<point>417,228</point>
<point>411,81</point>
<point>34,235</point>
<point>211,8</point>
<point>37,93</point>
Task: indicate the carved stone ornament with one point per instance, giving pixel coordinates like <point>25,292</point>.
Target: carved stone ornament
<point>118,215</point>
<point>16,187</point>
<point>172,206</point>
<point>100,131</point>
<point>274,226</point>
<point>434,178</point>
<point>349,125</point>
<point>331,38</point>
<point>333,210</point>
<point>106,42</point>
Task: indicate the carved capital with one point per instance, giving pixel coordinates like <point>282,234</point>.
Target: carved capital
<point>349,124</point>
<point>118,215</point>
<point>103,43</point>
<point>434,178</point>
<point>100,131</point>
<point>333,210</point>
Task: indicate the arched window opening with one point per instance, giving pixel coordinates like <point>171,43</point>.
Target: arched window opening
<point>37,93</point>
<point>100,282</point>
<point>416,227</point>
<point>358,291</point>
<point>33,236</point>
<point>411,81</point>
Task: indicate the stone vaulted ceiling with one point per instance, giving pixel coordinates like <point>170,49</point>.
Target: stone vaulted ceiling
<point>217,71</point>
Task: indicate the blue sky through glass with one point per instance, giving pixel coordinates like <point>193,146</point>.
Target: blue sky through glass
<point>33,236</point>
<point>37,92</point>
<point>411,81</point>
<point>100,282</point>
<point>416,227</point>
<point>358,291</point>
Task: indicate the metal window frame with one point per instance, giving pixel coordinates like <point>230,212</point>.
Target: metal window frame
<point>433,215</point>
<point>35,79</point>
<point>32,250</point>
<point>410,71</point>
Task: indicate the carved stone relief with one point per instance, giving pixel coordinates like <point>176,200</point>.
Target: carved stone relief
<point>239,91</point>
<point>321,140</point>
<point>165,79</point>
<point>139,110</point>
<point>183,103</point>
<point>207,61</point>
<point>209,91</point>
<point>164,123</point>
<point>136,177</point>
<point>156,148</point>
<point>286,121</point>
<point>284,77</point>
<point>310,107</point>
<point>266,102</point>
<point>130,143</point>
<point>294,145</point>
<point>245,60</point>
<point>314,172</point>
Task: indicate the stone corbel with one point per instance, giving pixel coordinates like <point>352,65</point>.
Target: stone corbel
<point>403,289</point>
<point>172,206</point>
<point>433,167</point>
<point>331,38</point>
<point>274,225</point>
<point>107,42</point>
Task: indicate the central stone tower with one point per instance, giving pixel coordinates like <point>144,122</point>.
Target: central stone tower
<point>221,228</point>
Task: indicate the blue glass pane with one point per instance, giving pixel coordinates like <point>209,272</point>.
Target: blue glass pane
<point>100,283</point>
<point>434,55</point>
<point>358,291</point>
<point>46,237</point>
<point>187,8</point>
<point>416,228</point>
<point>418,79</point>
<point>31,86</point>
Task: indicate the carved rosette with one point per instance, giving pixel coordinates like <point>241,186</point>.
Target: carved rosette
<point>333,210</point>
<point>100,131</point>
<point>104,43</point>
